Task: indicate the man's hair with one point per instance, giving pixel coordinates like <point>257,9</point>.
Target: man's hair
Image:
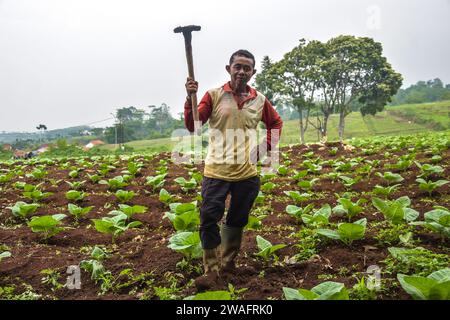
<point>242,53</point>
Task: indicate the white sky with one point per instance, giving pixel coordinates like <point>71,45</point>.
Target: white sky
<point>66,63</point>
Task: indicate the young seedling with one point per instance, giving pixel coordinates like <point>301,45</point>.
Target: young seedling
<point>311,167</point>
<point>187,243</point>
<point>124,196</point>
<point>78,212</point>
<point>231,294</point>
<point>130,211</point>
<point>297,197</point>
<point>37,174</point>
<point>115,226</point>
<point>51,277</point>
<point>318,218</point>
<point>197,176</point>
<point>48,225</point>
<point>434,287</point>
<point>94,178</point>
<point>307,185</point>
<point>430,186</point>
<point>165,197</point>
<point>298,212</point>
<point>33,193</point>
<point>260,198</point>
<point>22,210</point>
<point>390,177</point>
<point>115,183</point>
<point>133,168</point>
<point>402,164</point>
<point>184,217</point>
<point>396,211</point>
<point>74,173</point>
<point>255,222</point>
<point>436,159</point>
<point>5,178</point>
<point>325,291</point>
<point>98,272</point>
<point>344,166</point>
<point>349,208</point>
<point>76,185</point>
<point>333,151</point>
<point>267,250</point>
<point>282,170</point>
<point>333,176</point>
<point>437,220</point>
<point>186,185</point>
<point>156,181</point>
<point>74,195</point>
<point>268,186</point>
<point>299,175</point>
<point>385,191</point>
<point>267,176</point>
<point>346,232</point>
<point>349,182</point>
<point>428,169</point>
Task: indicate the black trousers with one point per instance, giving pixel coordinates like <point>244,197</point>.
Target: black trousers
<point>214,193</point>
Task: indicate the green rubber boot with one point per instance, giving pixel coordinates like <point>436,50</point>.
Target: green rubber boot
<point>231,245</point>
<point>211,266</point>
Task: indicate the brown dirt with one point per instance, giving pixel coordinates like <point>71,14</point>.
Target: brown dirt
<point>145,249</point>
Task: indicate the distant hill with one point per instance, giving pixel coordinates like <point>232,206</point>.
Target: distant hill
<point>12,137</point>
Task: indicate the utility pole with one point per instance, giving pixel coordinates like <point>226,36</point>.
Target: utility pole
<point>115,128</point>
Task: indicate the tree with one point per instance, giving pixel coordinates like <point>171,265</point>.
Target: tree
<point>130,114</point>
<point>268,83</point>
<point>355,70</point>
<point>42,128</point>
<point>294,79</point>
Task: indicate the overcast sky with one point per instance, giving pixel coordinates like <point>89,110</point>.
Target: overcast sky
<point>66,63</point>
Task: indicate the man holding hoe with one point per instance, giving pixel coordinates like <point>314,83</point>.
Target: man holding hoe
<point>233,110</point>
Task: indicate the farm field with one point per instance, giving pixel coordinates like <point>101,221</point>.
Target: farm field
<point>340,213</point>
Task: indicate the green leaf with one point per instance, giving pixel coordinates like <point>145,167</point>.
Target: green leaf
<point>418,287</point>
<point>187,243</point>
<point>351,231</point>
<point>262,243</point>
<point>331,291</point>
<point>294,294</point>
<point>441,276</point>
<point>187,221</point>
<point>440,291</point>
<point>5,254</point>
<point>98,254</point>
<point>410,214</point>
<point>332,234</point>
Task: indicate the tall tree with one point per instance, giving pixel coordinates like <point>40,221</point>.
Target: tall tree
<point>354,69</point>
<point>300,75</point>
<point>267,82</point>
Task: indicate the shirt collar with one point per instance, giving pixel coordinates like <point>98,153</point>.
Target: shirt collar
<point>227,88</point>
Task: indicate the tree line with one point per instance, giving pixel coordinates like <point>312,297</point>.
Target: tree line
<point>423,91</point>
<point>317,79</point>
<point>138,124</point>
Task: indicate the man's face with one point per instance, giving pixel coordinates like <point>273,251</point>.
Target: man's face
<point>241,71</point>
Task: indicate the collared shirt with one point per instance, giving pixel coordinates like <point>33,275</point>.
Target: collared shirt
<point>227,112</point>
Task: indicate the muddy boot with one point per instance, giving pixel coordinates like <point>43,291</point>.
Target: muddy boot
<point>231,244</point>
<point>211,276</point>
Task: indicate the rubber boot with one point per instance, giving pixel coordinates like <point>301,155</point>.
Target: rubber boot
<point>231,245</point>
<point>210,278</point>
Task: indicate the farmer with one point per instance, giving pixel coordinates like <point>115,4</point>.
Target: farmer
<point>233,110</point>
